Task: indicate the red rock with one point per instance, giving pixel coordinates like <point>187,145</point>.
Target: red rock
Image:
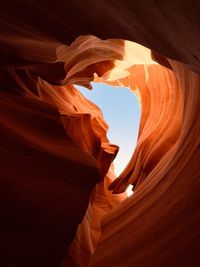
<point>56,161</point>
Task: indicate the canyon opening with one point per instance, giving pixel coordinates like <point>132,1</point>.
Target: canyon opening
<point>61,203</point>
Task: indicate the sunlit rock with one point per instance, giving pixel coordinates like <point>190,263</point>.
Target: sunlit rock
<point>61,203</point>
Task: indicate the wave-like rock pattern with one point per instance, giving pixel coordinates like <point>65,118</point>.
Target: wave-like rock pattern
<point>159,223</point>
<point>56,161</point>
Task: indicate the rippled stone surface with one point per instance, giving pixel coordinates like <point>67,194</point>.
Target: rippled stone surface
<point>56,173</point>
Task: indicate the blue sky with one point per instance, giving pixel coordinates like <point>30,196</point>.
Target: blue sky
<point>121,111</point>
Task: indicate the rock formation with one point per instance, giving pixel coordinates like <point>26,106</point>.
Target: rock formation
<point>61,204</point>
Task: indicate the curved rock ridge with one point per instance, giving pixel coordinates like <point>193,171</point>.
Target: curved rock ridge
<point>159,223</point>
<point>161,101</point>
<point>54,151</point>
<point>161,117</point>
<point>55,163</point>
<point>89,231</point>
<point>41,168</point>
<point>83,121</point>
<point>168,27</point>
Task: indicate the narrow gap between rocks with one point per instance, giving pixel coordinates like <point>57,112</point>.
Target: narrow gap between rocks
<point>121,111</point>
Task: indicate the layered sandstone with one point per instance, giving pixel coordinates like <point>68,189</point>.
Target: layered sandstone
<point>61,203</point>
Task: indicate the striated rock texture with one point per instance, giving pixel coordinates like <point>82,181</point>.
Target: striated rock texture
<point>159,223</point>
<point>40,170</point>
<point>60,202</point>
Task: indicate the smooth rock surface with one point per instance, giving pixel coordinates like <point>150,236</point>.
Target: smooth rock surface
<point>56,161</point>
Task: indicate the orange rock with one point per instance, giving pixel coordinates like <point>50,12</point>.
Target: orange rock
<point>56,161</point>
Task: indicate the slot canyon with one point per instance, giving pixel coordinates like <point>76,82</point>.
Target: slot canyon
<point>61,204</point>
